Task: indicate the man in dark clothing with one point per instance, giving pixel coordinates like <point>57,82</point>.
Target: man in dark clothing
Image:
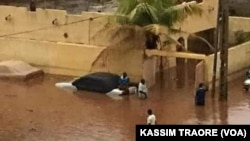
<point>246,84</point>
<point>248,74</point>
<point>200,95</point>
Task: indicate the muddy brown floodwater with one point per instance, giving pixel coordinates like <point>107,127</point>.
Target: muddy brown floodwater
<point>36,110</point>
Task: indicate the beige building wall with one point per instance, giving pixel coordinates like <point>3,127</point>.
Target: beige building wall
<point>71,59</point>
<point>238,24</point>
<point>206,21</point>
<point>32,37</point>
<point>84,28</point>
<point>238,60</point>
<point>239,56</point>
<point>55,58</point>
<point>38,25</point>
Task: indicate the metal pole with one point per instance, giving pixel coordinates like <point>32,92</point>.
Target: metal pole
<point>224,52</point>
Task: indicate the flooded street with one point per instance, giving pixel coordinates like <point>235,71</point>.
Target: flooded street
<point>38,111</point>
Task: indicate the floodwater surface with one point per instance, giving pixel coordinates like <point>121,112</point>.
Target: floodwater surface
<point>36,110</point>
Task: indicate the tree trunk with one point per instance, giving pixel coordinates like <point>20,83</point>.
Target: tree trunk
<point>224,52</point>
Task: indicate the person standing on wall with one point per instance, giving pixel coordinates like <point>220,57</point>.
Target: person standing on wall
<point>151,119</point>
<point>200,95</point>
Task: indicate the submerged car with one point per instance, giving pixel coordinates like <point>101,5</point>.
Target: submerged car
<point>101,82</point>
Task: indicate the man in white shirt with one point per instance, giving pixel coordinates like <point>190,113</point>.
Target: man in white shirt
<point>142,89</point>
<point>247,85</point>
<point>151,119</point>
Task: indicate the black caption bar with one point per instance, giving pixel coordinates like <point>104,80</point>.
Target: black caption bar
<point>215,132</point>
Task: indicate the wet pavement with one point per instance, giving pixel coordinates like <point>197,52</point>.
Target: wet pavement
<point>36,110</point>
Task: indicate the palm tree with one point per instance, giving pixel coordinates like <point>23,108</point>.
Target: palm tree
<point>153,15</point>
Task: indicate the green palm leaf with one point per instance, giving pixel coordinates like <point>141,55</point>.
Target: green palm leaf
<point>143,14</point>
<point>156,16</point>
<point>178,13</point>
<point>168,32</point>
<point>126,6</point>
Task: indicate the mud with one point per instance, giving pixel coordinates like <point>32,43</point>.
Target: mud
<point>36,110</point>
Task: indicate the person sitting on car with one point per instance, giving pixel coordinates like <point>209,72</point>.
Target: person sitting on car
<point>124,83</point>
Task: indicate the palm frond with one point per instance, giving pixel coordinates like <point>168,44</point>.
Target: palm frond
<point>178,13</point>
<point>126,6</point>
<point>121,19</point>
<point>142,14</point>
<point>192,8</point>
<point>123,38</point>
<point>160,4</point>
<point>158,29</point>
<point>170,40</point>
<point>212,48</point>
<point>168,3</point>
<point>153,28</point>
<point>98,58</point>
<point>204,40</point>
<point>102,31</point>
<point>169,32</point>
<point>161,30</point>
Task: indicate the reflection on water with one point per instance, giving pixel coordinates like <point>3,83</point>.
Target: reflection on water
<point>36,110</point>
<point>200,113</point>
<point>223,112</point>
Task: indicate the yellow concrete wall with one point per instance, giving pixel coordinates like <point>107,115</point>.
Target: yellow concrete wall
<point>55,58</point>
<point>81,32</point>
<point>43,44</point>
<point>72,59</point>
<point>40,23</point>
<point>149,70</point>
<point>238,59</point>
<point>119,61</point>
<point>207,21</point>
<point>237,24</point>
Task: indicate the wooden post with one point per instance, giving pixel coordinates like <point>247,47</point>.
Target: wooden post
<point>216,47</point>
<point>224,52</point>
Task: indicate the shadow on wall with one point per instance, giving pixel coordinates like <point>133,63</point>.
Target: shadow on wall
<point>241,37</point>
<point>180,62</point>
<point>196,45</point>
